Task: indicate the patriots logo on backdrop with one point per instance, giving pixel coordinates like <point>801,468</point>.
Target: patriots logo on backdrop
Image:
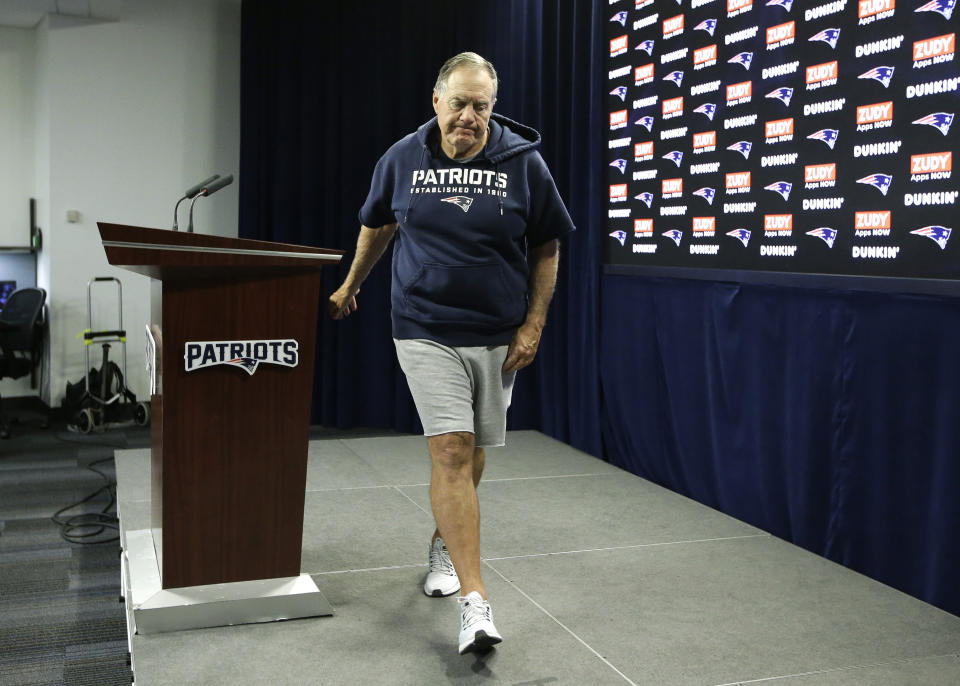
<point>828,235</point>
<point>941,121</point>
<point>785,4</point>
<point>674,76</point>
<point>620,17</point>
<point>881,74</point>
<point>619,164</point>
<point>707,108</point>
<point>781,187</point>
<point>939,234</point>
<point>461,201</point>
<point>743,147</point>
<point>879,181</point>
<point>743,58</point>
<point>707,194</point>
<point>828,136</point>
<point>782,94</point>
<point>674,236</point>
<point>708,25</point>
<point>741,235</point>
<point>944,7</point>
<point>620,236</point>
<point>674,156</point>
<point>646,198</point>
<point>645,122</point>
<point>620,92</point>
<point>828,36</point>
<point>646,46</point>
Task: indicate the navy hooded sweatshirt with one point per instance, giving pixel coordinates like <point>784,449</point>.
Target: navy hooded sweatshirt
<point>459,259</point>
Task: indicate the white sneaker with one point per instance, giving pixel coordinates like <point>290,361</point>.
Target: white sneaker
<point>442,579</point>
<point>477,631</point>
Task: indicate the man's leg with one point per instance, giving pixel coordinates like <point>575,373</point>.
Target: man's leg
<point>453,496</point>
<point>479,460</point>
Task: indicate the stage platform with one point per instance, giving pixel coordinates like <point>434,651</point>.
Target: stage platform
<point>596,577</point>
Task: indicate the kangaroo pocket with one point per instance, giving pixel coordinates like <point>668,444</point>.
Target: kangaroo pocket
<point>466,294</point>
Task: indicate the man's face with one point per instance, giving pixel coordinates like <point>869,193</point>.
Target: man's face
<point>463,111</point>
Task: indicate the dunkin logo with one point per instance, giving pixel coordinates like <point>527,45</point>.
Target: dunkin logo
<point>672,107</point>
<point>673,26</point>
<point>781,35</point>
<point>872,220</point>
<point>618,45</point>
<point>618,119</point>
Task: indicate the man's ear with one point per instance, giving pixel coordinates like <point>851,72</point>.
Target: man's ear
<point>436,103</point>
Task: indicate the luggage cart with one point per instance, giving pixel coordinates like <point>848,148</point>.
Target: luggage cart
<point>110,402</point>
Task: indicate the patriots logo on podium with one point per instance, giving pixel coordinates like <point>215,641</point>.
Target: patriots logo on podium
<point>785,4</point>
<point>881,74</point>
<point>646,46</point>
<point>620,236</point>
<point>941,121</point>
<point>461,201</point>
<point>645,198</point>
<point>674,76</point>
<point>707,194</point>
<point>879,181</point>
<point>619,164</point>
<point>645,122</point>
<point>620,92</point>
<point>741,235</point>
<point>674,156</point>
<point>827,235</point>
<point>742,147</point>
<point>828,36</point>
<point>783,94</point>
<point>620,17</point>
<point>708,25</point>
<point>944,7</point>
<point>745,59</point>
<point>938,234</point>
<point>828,136</point>
<point>674,236</point>
<point>707,108</point>
<point>247,355</point>
<point>781,187</point>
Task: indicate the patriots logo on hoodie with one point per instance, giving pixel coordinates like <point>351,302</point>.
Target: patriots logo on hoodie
<point>707,194</point>
<point>879,181</point>
<point>646,46</point>
<point>828,36</point>
<point>783,94</point>
<point>938,234</point>
<point>744,59</point>
<point>708,25</point>
<point>826,234</point>
<point>619,164</point>
<point>742,147</point>
<point>780,187</point>
<point>461,201</point>
<point>944,7</point>
<point>941,121</point>
<point>828,136</point>
<point>674,76</point>
<point>646,198</point>
<point>785,4</point>
<point>880,74</point>
<point>620,17</point>
<point>741,235</point>
<point>674,156</point>
<point>620,236</point>
<point>707,108</point>
<point>674,236</point>
<point>620,92</point>
<point>645,122</point>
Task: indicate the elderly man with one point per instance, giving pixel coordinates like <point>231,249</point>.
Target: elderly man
<point>476,217</point>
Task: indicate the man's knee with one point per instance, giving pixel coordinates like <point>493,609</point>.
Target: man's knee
<point>452,450</point>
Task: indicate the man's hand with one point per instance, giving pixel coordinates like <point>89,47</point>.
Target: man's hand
<point>342,302</point>
<point>523,347</point>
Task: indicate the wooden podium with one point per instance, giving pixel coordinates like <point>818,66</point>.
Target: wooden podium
<point>229,439</point>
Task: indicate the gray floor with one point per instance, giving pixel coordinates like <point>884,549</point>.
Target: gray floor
<point>595,577</point>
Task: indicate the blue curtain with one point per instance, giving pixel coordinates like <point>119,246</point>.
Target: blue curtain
<point>828,418</point>
<point>326,88</point>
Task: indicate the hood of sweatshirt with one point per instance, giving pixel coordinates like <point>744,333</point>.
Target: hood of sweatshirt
<point>507,138</point>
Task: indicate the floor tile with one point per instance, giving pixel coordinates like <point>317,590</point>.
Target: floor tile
<point>332,464</point>
<point>930,671</point>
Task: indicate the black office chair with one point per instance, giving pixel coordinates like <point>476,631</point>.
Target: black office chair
<point>21,337</point>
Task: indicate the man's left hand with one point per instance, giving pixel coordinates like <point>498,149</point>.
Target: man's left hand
<point>523,347</point>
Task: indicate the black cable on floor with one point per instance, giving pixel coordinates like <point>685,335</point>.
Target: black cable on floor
<point>86,528</point>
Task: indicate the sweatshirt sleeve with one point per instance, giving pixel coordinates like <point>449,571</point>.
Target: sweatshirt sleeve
<point>377,209</point>
<point>548,218</point>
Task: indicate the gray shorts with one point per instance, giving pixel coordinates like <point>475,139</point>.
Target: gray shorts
<point>458,389</point>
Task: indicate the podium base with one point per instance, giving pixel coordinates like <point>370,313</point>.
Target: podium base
<point>153,609</point>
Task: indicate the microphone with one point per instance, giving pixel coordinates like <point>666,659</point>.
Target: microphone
<point>189,193</point>
<point>210,189</point>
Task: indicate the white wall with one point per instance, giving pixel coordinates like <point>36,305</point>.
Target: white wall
<point>17,50</point>
<point>128,115</point>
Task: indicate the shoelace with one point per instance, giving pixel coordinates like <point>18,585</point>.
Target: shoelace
<point>471,613</point>
<point>440,560</point>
